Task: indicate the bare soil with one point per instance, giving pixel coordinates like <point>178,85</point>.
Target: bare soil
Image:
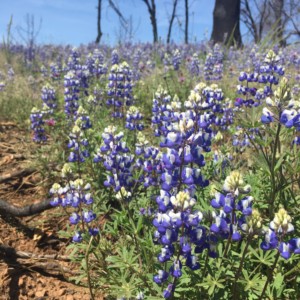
<point>35,277</point>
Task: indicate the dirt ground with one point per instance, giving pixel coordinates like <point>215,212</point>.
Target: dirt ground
<point>46,273</point>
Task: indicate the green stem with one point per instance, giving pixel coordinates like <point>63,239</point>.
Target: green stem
<point>269,276</point>
<point>230,235</point>
<point>272,171</point>
<point>205,265</point>
<point>88,269</point>
<point>238,273</point>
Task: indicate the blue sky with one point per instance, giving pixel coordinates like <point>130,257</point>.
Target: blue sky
<point>74,21</point>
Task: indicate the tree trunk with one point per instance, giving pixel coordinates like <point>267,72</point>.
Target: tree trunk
<point>226,22</point>
<point>172,20</point>
<point>99,32</point>
<point>152,13</point>
<point>186,28</point>
<point>278,13</point>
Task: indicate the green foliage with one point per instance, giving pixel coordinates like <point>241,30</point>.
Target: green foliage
<point>122,259</point>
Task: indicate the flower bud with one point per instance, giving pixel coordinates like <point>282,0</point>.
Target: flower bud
<point>282,222</point>
<point>233,182</point>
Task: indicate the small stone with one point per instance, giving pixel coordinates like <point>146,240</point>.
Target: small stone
<point>40,293</point>
<point>61,292</point>
<point>21,281</point>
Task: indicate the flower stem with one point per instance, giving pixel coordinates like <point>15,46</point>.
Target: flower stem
<point>238,273</point>
<point>88,269</point>
<point>269,276</point>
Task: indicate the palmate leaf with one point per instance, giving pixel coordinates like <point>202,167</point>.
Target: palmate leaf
<point>124,260</point>
<point>278,281</point>
<point>278,285</point>
<point>254,283</point>
<point>263,257</point>
<point>211,283</point>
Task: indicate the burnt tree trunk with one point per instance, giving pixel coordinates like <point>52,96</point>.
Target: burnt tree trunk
<point>278,6</point>
<point>152,12</point>
<point>99,31</point>
<point>186,28</point>
<point>226,22</point>
<point>172,20</point>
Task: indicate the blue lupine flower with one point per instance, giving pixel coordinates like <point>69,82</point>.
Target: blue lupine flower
<point>271,240</point>
<point>176,59</point>
<point>93,231</point>
<point>285,250</point>
<point>78,144</point>
<point>295,244</point>
<point>175,269</point>
<point>267,116</point>
<point>75,218</point>
<point>220,225</point>
<point>192,262</point>
<point>213,67</point>
<point>74,194</point>
<point>245,205</point>
<point>161,277</point>
<point>235,235</point>
<point>133,119</point>
<point>166,253</point>
<point>48,96</point>
<point>71,83</point>
<point>194,65</point>
<point>37,118</point>
<point>88,216</point>
<point>168,291</point>
<point>77,238</point>
<point>119,89</point>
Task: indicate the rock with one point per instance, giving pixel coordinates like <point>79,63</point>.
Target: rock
<point>61,292</point>
<point>40,293</point>
<point>21,281</point>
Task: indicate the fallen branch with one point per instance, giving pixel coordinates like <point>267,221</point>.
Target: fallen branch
<point>17,174</point>
<point>12,252</point>
<point>31,261</point>
<point>28,210</point>
<point>47,267</point>
<point>4,124</point>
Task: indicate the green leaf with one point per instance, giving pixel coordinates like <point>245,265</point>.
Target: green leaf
<point>279,162</point>
<point>278,281</point>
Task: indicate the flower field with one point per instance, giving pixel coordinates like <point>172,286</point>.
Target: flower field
<point>174,169</point>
